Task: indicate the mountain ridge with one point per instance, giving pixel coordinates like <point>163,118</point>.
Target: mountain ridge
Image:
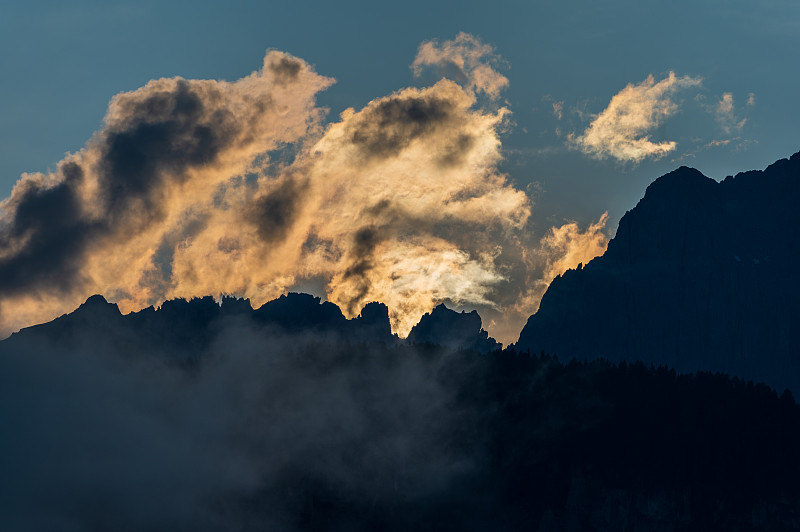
<point>699,276</point>
<point>181,324</point>
<point>292,417</point>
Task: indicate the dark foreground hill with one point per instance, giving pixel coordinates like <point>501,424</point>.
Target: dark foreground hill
<point>206,417</point>
<point>179,329</point>
<point>701,275</point>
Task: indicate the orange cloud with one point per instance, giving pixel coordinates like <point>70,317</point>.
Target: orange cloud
<point>465,60</point>
<point>197,187</point>
<point>622,130</point>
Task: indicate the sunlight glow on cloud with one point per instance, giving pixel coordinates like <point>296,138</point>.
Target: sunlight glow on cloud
<point>205,187</point>
<point>558,109</point>
<point>466,60</point>
<point>562,248</point>
<point>622,130</point>
<point>394,203</point>
<point>112,217</point>
<point>725,113</point>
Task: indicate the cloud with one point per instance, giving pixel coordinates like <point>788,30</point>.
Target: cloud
<point>562,248</point>
<point>465,60</point>
<point>558,109</point>
<point>725,113</point>
<point>418,169</point>
<point>210,187</point>
<point>205,187</point>
<point>716,143</point>
<point>622,130</point>
<point>111,215</point>
<point>567,246</point>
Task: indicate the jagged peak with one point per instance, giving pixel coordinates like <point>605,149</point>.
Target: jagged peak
<point>794,159</point>
<point>97,302</point>
<point>177,319</point>
<point>678,184</point>
<point>453,329</point>
<point>374,310</point>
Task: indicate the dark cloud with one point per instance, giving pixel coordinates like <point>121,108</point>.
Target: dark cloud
<point>125,204</point>
<point>196,187</point>
<point>455,152</point>
<point>365,240</point>
<point>155,137</point>
<point>276,211</point>
<point>387,128</point>
<point>285,69</point>
<point>49,233</point>
<point>159,138</point>
<point>228,245</point>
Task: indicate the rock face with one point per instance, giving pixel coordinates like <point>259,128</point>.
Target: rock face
<point>181,328</point>
<point>452,329</point>
<point>701,275</point>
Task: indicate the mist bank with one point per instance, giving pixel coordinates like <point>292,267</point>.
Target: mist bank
<point>295,426</point>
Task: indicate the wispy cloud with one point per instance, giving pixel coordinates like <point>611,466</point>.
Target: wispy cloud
<point>716,143</point>
<point>623,130</point>
<point>725,113</point>
<point>465,60</point>
<point>558,109</point>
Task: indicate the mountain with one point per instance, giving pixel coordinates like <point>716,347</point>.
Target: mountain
<point>701,275</point>
<point>180,328</point>
<point>445,327</point>
<point>207,415</point>
<point>269,430</point>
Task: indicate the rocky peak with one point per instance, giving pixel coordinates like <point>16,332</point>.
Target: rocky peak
<point>457,330</point>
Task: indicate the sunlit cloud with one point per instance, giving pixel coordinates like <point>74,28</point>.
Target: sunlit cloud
<point>465,60</point>
<point>623,130</point>
<point>558,110</point>
<point>205,187</point>
<point>717,143</point>
<point>725,113</point>
<point>562,248</point>
<point>112,216</point>
<point>394,203</point>
<point>568,246</point>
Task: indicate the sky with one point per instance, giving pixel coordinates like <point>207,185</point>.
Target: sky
<point>544,123</point>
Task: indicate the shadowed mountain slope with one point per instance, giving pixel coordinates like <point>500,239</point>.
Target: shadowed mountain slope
<point>291,417</point>
<point>701,275</point>
<point>269,431</point>
<point>179,328</point>
<point>452,329</point>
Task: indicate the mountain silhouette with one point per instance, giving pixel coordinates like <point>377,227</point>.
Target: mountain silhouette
<point>207,414</point>
<point>267,429</point>
<point>179,328</point>
<point>445,327</point>
<point>701,275</point>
